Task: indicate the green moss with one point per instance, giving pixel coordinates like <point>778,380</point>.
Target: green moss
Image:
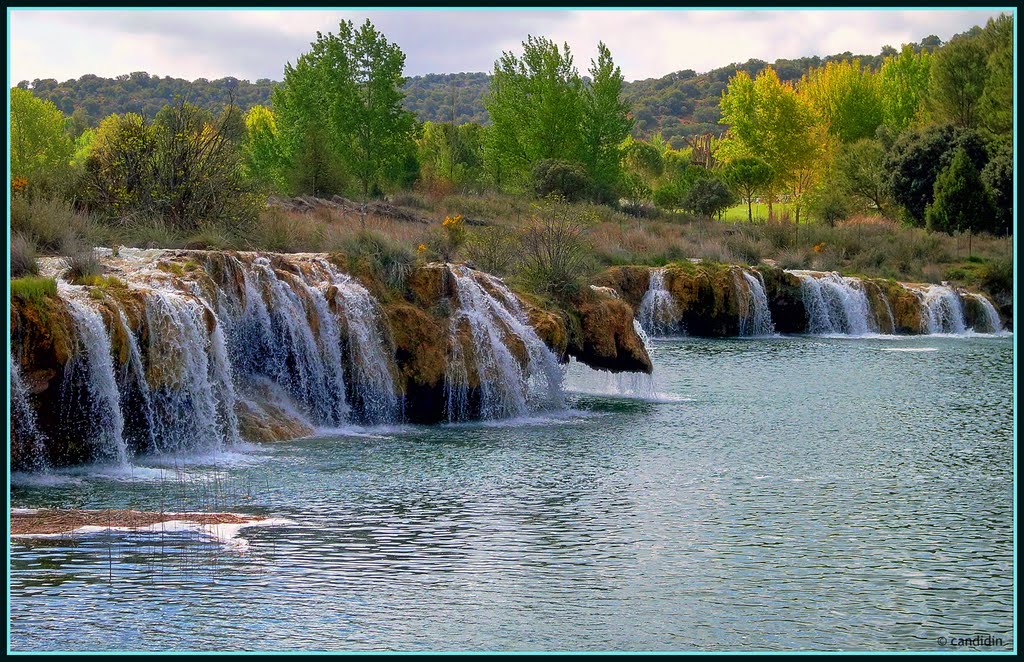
<point>33,288</point>
<point>172,268</point>
<point>102,282</point>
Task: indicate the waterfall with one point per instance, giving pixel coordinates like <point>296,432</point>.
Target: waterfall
<point>834,304</point>
<point>943,310</point>
<point>191,392</point>
<point>658,313</point>
<point>490,321</point>
<point>94,360</point>
<point>374,396</point>
<point>755,317</point>
<point>136,397</point>
<point>994,323</point>
<point>24,428</point>
<point>306,360</point>
<point>888,308</point>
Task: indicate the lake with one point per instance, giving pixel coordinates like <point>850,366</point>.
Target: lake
<point>768,494</point>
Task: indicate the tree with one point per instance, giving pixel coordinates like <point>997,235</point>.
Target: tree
<point>998,178</point>
<point>995,108</point>
<point>708,197</point>
<point>957,81</point>
<point>562,178</point>
<point>746,176</point>
<point>961,202</point>
<point>345,97</point>
<point>450,156</point>
<point>918,156</point>
<point>536,109</point>
<point>767,120</point>
<point>181,169</point>
<point>846,97</point>
<point>40,147</point>
<point>382,128</point>
<point>860,169</point>
<point>262,160</point>
<point>903,83</point>
<point>606,124</point>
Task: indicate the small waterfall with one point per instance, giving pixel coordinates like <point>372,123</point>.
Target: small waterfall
<point>994,323</point>
<point>373,393</point>
<point>191,392</point>
<point>490,325</point>
<point>943,310</point>
<point>888,308</point>
<point>136,398</point>
<point>755,317</point>
<point>658,313</point>
<point>834,304</point>
<point>24,428</point>
<point>93,358</point>
<point>305,360</point>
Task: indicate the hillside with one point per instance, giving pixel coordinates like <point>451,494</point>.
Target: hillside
<point>680,104</point>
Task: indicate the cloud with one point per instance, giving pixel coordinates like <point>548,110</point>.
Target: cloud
<point>256,44</point>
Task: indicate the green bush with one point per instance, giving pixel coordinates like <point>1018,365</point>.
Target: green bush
<point>562,178</point>
<point>708,197</point>
<point>387,260</point>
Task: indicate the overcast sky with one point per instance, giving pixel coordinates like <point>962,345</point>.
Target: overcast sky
<point>252,44</point>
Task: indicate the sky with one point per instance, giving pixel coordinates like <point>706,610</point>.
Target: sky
<point>254,44</point>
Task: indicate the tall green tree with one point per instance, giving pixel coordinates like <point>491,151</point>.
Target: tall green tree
<point>262,160</point>
<point>998,178</point>
<point>536,109</point>
<point>606,124</point>
<point>40,147</point>
<point>846,97</point>
<point>860,171</point>
<point>957,81</point>
<point>345,96</point>
<point>381,127</point>
<point>995,108</point>
<point>769,121</point>
<point>903,86</point>
<point>961,203</point>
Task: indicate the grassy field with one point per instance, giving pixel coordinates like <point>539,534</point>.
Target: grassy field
<point>760,212</point>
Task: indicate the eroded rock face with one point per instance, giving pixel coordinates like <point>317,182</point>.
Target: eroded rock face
<point>708,299</point>
<point>258,341</point>
<point>607,338</point>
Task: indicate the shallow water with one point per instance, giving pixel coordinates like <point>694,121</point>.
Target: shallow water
<point>768,494</point>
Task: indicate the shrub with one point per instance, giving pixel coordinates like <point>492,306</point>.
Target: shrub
<point>23,256</point>
<point>81,260</point>
<point>562,178</point>
<point>708,197</point>
<point>997,277</point>
<point>387,260</point>
<point>555,253</point>
<point>830,206</point>
<point>493,249</point>
<point>50,222</point>
<point>279,231</point>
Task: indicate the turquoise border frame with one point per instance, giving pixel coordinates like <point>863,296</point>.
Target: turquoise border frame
<point>1011,10</point>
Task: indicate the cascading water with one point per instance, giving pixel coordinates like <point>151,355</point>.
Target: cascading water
<point>943,310</point>
<point>489,324</point>
<point>306,361</point>
<point>375,398</point>
<point>25,430</point>
<point>94,364</point>
<point>835,305</point>
<point>993,323</point>
<point>658,313</point>
<point>188,377</point>
<point>755,316</point>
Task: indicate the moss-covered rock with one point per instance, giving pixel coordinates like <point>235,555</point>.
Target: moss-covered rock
<point>606,338</point>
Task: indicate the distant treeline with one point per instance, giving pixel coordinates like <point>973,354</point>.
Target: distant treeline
<point>679,105</point>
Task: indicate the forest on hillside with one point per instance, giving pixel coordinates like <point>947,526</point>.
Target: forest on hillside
<point>678,105</point>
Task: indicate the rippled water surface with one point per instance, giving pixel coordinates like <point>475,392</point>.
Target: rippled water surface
<point>780,493</point>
